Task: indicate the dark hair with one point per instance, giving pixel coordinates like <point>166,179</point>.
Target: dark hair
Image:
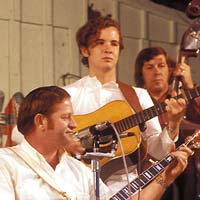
<point>144,56</point>
<point>92,29</point>
<point>41,100</point>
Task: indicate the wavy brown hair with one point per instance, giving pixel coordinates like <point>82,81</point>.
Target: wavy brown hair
<point>92,29</point>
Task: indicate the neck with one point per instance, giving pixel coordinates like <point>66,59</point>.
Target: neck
<point>103,76</point>
<point>51,154</point>
<point>158,95</point>
<point>52,158</point>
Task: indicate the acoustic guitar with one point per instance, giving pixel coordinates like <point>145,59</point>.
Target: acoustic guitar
<point>152,172</point>
<point>121,116</point>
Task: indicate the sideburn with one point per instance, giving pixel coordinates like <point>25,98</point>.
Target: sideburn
<point>50,123</point>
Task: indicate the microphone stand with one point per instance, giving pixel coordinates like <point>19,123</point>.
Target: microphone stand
<point>95,157</point>
<point>96,171</point>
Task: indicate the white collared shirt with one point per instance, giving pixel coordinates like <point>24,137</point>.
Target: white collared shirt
<point>19,182</point>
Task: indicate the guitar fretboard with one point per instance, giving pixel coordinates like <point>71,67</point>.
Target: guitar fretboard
<point>157,109</point>
<point>146,177</point>
<point>140,117</point>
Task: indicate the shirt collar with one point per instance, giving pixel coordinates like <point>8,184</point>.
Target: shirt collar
<point>93,82</point>
<point>34,154</point>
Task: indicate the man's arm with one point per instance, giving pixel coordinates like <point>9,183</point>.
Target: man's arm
<point>7,190</point>
<point>157,187</point>
<point>175,110</point>
<point>193,107</point>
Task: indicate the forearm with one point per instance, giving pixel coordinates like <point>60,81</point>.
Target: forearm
<point>172,130</point>
<point>176,111</point>
<point>160,145</point>
<point>154,190</point>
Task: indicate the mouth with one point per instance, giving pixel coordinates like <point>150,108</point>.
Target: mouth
<point>107,59</point>
<point>69,134</point>
<point>158,79</point>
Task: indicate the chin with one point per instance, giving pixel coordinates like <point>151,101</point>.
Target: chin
<point>107,68</point>
<point>158,89</point>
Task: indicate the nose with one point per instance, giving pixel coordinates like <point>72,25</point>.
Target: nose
<point>107,48</point>
<point>157,69</point>
<point>73,123</point>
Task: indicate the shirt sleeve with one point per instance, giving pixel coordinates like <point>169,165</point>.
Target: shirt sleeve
<point>105,192</point>
<point>6,183</point>
<point>158,141</point>
<point>193,110</point>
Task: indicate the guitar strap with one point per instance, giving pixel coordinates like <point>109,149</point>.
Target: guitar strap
<point>40,172</point>
<point>132,98</point>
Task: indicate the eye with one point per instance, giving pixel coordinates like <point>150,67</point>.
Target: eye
<point>148,66</point>
<point>162,65</point>
<point>65,117</point>
<point>115,43</point>
<point>99,42</point>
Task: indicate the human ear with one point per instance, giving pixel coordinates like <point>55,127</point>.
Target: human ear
<point>84,51</point>
<point>39,121</point>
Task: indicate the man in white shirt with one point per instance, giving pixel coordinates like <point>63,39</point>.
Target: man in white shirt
<point>100,43</point>
<point>40,168</point>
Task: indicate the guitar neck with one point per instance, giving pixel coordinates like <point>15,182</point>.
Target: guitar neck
<point>156,110</point>
<point>140,117</point>
<point>146,177</point>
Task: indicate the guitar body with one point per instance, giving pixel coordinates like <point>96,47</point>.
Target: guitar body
<point>112,112</point>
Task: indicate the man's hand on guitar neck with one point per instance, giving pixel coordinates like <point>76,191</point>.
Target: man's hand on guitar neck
<point>158,186</point>
<point>176,110</point>
<point>178,165</point>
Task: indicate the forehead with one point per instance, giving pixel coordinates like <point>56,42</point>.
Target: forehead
<point>109,32</point>
<point>63,107</point>
<point>157,59</point>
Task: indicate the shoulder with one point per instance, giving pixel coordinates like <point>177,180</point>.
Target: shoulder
<point>5,152</point>
<point>8,154</point>
<point>76,83</point>
<point>74,87</point>
<point>6,158</point>
<point>140,91</point>
<point>144,97</point>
